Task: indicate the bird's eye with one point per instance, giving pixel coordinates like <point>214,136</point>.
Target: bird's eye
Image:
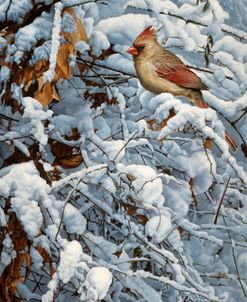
<point>140,48</point>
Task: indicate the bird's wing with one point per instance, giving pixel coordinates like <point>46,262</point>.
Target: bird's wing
<point>171,68</point>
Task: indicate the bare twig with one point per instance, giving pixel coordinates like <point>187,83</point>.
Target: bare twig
<point>221,201</point>
<point>125,144</point>
<point>5,117</point>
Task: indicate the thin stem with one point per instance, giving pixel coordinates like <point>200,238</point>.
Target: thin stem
<point>221,201</point>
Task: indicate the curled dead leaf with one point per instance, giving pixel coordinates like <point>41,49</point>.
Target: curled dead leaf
<point>70,162</point>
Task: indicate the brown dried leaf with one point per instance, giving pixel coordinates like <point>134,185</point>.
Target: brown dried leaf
<point>194,199</point>
<point>131,177</point>
<point>32,76</point>
<point>100,98</point>
<point>142,219</point>
<point>63,68</point>
<point>44,95</point>
<point>75,135</point>
<point>118,254</point>
<point>60,150</point>
<point>208,143</point>
<point>163,123</point>
<point>46,258</point>
<point>11,276</point>
<point>70,162</point>
<point>131,210</point>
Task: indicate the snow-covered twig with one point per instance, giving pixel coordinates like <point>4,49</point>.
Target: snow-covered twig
<point>55,43</point>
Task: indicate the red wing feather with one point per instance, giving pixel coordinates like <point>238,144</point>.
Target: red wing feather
<point>180,75</point>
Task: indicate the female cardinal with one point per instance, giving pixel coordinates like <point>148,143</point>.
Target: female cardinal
<point>160,70</point>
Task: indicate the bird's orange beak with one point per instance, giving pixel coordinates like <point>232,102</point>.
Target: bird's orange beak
<point>132,51</point>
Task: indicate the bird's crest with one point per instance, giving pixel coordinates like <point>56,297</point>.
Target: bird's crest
<point>147,33</point>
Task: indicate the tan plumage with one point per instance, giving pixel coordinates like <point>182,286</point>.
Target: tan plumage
<point>160,70</point>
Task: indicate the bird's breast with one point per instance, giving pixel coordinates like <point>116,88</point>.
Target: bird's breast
<point>146,72</point>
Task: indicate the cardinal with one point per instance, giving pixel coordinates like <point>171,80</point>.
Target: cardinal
<point>159,70</point>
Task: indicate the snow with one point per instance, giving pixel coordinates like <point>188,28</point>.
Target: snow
<point>28,36</point>
<point>4,73</point>
<point>25,186</point>
<point>120,63</point>
<point>159,226</point>
<point>188,159</point>
<point>33,111</point>
<point>146,291</point>
<point>70,257</point>
<point>236,67</point>
<point>16,9</point>
<point>120,30</point>
<point>97,283</point>
<point>82,46</point>
<point>99,42</point>
<point>178,198</point>
<point>230,45</point>
<point>242,263</point>
<point>36,258</point>
<point>68,23</point>
<point>73,220</point>
<point>146,183</point>
<point>2,218</point>
<point>26,294</point>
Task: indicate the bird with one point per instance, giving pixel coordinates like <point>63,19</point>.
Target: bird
<point>160,70</point>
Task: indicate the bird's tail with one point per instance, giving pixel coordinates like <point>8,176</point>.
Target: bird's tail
<point>199,101</point>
